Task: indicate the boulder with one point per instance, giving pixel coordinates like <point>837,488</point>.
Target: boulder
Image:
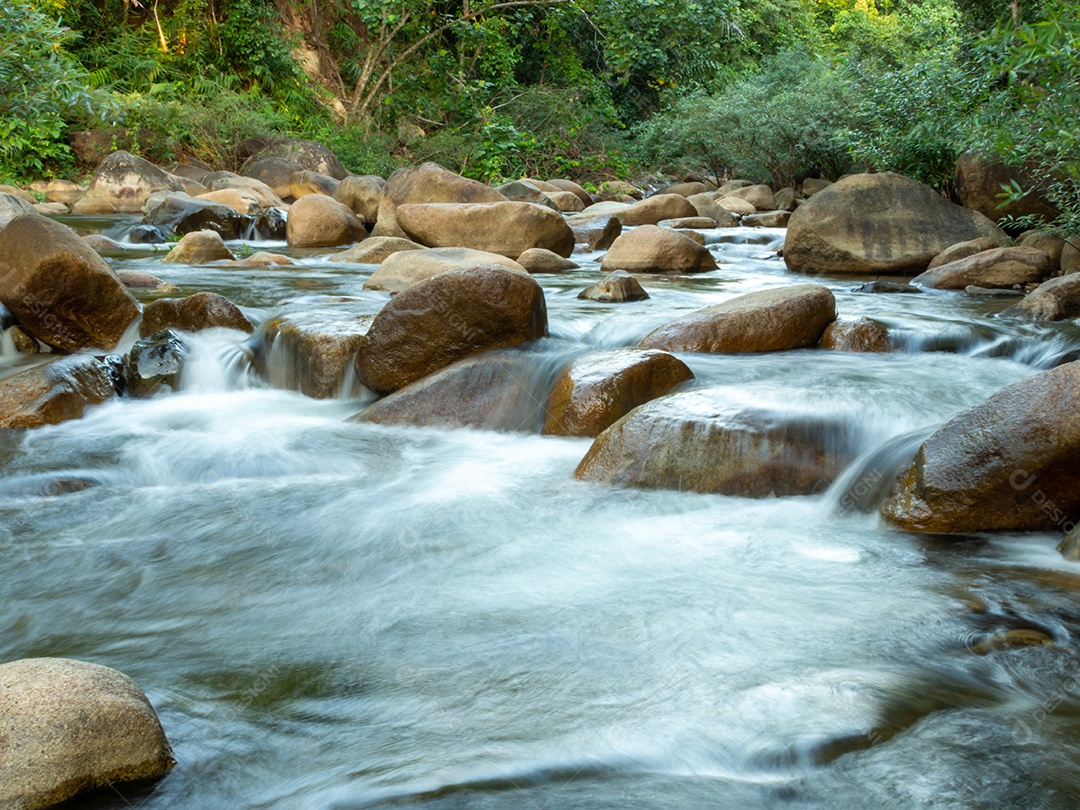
<point>542,185</point>
<point>1008,464</point>
<point>615,288</point>
<point>1053,300</point>
<point>199,247</point>
<point>887,287</point>
<point>693,236</point>
<point>650,249</point>
<point>147,235</point>
<point>205,310</point>
<point>710,441</point>
<point>124,181</point>
<point>1052,244</point>
<point>598,232</point>
<point>449,317</point>
<point>361,194</point>
<point>878,223</point>
<point>137,279</point>
<point>182,214</point>
<point>962,250</point>
<point>759,196</point>
<point>524,191</point>
<point>429,183</point>
<point>50,209</point>
<point>688,222</point>
<point>566,201</point>
<point>767,219</point>
<point>707,206</point>
<point>63,191</point>
<point>376,249</point>
<point>684,189</point>
<point>266,196</point>
<point>271,224</point>
<point>856,335</point>
<point>1070,546</point>
<point>992,269</point>
<point>403,269</point>
<point>812,185</point>
<point>979,179</point>
<point>304,182</point>
<point>68,727</point>
<point>243,201</point>
<point>15,191</point>
<point>653,209</point>
<point>275,172</point>
<point>48,394</point>
<point>155,362</point>
<point>102,244</point>
<point>12,206</point>
<point>489,392</point>
<point>785,200</point>
<point>59,289</point>
<point>729,186</point>
<point>539,260</point>
<point>506,228</point>
<point>320,221</point>
<point>767,321</point>
<point>1070,256</point>
<point>262,258</point>
<point>596,390</point>
<point>190,186</point>
<point>573,188</point>
<point>87,206</point>
<point>310,353</point>
<point>613,189</point>
<point>307,155</point>
<point>735,205</point>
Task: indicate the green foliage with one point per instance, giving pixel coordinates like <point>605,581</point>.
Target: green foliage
<point>770,127</point>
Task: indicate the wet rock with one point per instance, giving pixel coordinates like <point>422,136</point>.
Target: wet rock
<point>1070,546</point>
<point>68,727</point>
<point>376,249</point>
<point>687,222</point>
<point>490,392</point>
<point>320,221</point>
<point>615,288</point>
<point>154,362</point>
<point>449,317</point>
<point>200,311</point>
<point>856,335</point>
<point>51,393</point>
<point>25,343</point>
<point>59,289</point>
<point>887,287</point>
<point>979,180</point>
<point>1008,464</point>
<point>598,232</point>
<point>102,243</point>
<point>179,213</point>
<point>962,250</point>
<point>706,206</point>
<point>404,269</point>
<point>506,228</point>
<point>539,260</point>
<point>11,207</point>
<point>148,235</point>
<point>650,249</point>
<point>653,209</point>
<point>310,354</point>
<point>1000,268</point>
<point>705,441</point>
<point>361,194</point>
<point>990,292</point>
<point>137,279</point>
<point>767,219</point>
<point>1011,640</point>
<point>767,321</point>
<point>272,224</point>
<point>262,258</point>
<point>199,247</point>
<point>598,389</point>
<point>429,183</point>
<point>124,181</point>
<point>1053,300</point>
<point>303,183</point>
<point>759,196</point>
<point>878,223</point>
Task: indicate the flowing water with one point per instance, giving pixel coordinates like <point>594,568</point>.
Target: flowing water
<point>335,615</point>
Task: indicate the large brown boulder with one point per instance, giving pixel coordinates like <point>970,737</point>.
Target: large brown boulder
<point>702,441</point>
<point>650,249</point>
<point>767,321</point>
<point>573,188</point>
<point>310,156</point>
<point>598,389</point>
<point>566,201</point>
<point>429,183</point>
<point>199,247</point>
<point>878,223</point>
<point>652,210</point>
<point>506,228</point>
<point>310,353</point>
<point>1000,268</point>
<point>205,310</point>
<point>243,201</point>
<point>362,194</point>
<point>961,250</point>
<point>449,317</point>
<point>596,232</point>
<point>59,289</point>
<point>124,181</point>
<point>615,288</point>
<point>275,172</point>
<point>541,260</point>
<point>68,727</point>
<point>490,392</point>
<point>1008,464</point>
<point>1053,300</point>
<point>707,206</point>
<point>979,180</point>
<point>401,270</point>
<point>304,182</point>
<point>63,191</point>
<point>52,393</point>
<point>855,335</point>
<point>376,249</point>
<point>266,196</point>
<point>182,214</point>
<point>759,196</point>
<point>320,221</point>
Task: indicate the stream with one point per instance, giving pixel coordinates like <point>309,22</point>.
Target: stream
<point>336,615</point>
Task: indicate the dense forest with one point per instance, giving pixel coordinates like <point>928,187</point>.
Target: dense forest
<point>590,89</point>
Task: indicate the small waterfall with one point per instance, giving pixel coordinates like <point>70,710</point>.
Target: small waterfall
<point>867,481</point>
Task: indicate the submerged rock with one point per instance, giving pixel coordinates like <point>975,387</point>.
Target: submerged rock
<point>885,287</point>
<point>68,727</point>
<point>54,392</point>
<point>598,389</point>
<point>449,317</point>
<point>375,250</point>
<point>154,362</point>
<point>705,441</point>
